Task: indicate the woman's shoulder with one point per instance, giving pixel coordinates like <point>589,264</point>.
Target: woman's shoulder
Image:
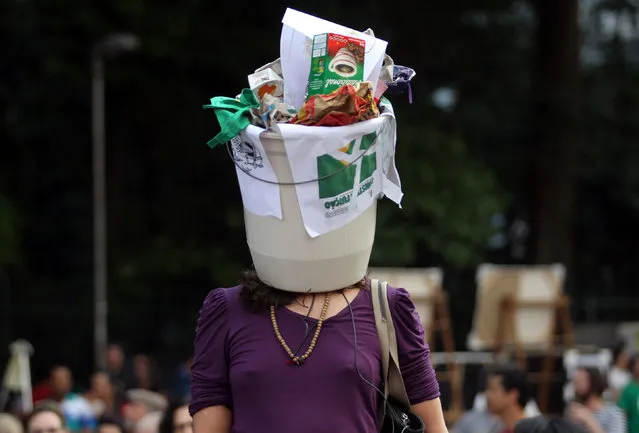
<point>219,301</point>
<point>223,294</point>
<point>399,300</point>
<point>400,304</point>
<point>217,313</point>
<point>403,309</point>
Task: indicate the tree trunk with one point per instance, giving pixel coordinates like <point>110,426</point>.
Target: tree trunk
<point>554,155</point>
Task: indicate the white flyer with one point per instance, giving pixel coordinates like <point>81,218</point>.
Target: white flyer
<point>295,52</point>
<point>340,171</point>
<point>257,179</point>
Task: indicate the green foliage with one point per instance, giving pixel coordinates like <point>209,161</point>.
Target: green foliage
<point>449,200</point>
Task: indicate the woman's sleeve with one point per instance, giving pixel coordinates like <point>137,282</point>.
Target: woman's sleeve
<point>210,379</point>
<point>414,354</point>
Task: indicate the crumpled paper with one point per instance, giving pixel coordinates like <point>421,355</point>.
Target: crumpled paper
<point>387,70</point>
<point>272,110</point>
<point>345,106</point>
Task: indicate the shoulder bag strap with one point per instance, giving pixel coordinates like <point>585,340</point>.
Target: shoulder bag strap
<point>396,387</point>
<point>378,294</point>
<point>391,374</point>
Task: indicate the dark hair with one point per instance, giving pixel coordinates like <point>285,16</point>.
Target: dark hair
<point>166,423</point>
<point>617,350</point>
<point>541,424</point>
<point>110,420</point>
<point>99,372</point>
<point>47,406</point>
<point>115,345</point>
<point>598,383</point>
<point>513,379</point>
<point>60,367</point>
<point>258,296</point>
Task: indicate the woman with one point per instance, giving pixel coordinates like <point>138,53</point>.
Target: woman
<point>101,395</point>
<point>589,408</point>
<point>176,419</point>
<point>274,361</point>
<point>145,375</point>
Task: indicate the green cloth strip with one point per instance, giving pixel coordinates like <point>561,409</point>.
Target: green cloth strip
<point>233,115</point>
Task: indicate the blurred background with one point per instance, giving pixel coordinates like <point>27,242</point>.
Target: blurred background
<point>520,148</point>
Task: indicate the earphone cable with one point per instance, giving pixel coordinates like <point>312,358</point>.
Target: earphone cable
<point>359,373</point>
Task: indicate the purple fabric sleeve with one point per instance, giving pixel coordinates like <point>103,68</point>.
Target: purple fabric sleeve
<point>414,354</point>
<point>210,379</point>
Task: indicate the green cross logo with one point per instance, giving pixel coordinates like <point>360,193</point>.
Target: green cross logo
<point>338,174</point>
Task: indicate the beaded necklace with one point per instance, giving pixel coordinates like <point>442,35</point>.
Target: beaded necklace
<point>293,358</point>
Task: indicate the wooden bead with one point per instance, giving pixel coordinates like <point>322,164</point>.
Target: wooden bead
<point>298,360</point>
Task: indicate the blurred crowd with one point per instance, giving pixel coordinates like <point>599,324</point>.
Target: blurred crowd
<point>597,401</point>
<point>128,396</point>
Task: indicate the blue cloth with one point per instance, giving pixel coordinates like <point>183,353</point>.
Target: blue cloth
<point>78,413</point>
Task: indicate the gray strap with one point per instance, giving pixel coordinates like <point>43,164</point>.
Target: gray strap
<point>378,294</point>
<point>395,385</point>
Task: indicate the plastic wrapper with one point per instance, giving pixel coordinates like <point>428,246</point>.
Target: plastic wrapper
<point>402,76</point>
<point>345,106</point>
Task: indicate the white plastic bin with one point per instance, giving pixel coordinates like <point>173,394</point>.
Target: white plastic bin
<point>287,258</point>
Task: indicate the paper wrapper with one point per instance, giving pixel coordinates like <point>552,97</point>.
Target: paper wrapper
<point>266,82</point>
<point>345,106</point>
<point>275,66</point>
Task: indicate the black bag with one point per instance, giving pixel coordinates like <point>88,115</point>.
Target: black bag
<point>395,415</point>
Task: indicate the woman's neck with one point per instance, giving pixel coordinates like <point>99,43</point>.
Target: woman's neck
<point>594,403</point>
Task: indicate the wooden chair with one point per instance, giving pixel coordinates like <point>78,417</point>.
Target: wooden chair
<point>520,309</point>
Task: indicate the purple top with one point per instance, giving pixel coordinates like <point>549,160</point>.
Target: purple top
<point>240,364</point>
